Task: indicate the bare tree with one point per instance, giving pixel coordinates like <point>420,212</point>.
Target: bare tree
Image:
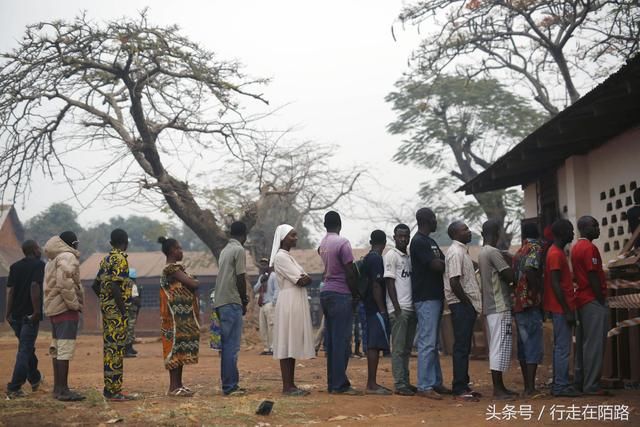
<point>142,98</point>
<point>547,45</point>
<point>287,182</point>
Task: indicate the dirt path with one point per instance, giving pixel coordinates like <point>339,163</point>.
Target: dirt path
<point>260,374</point>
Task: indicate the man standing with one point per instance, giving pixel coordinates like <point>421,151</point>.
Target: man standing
<point>397,274</point>
<point>593,313</point>
<point>377,320</point>
<point>496,275</point>
<point>633,215</point>
<point>24,312</point>
<point>527,304</point>
<point>114,291</point>
<point>559,300</point>
<point>336,298</point>
<point>465,302</point>
<point>427,263</point>
<point>230,302</point>
<point>63,302</point>
<point>132,315</point>
<point>267,289</point>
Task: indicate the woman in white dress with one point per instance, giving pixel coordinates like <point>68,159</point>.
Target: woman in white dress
<point>293,335</point>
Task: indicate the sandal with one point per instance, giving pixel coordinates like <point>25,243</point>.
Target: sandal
<point>296,392</point>
<point>181,392</point>
<point>466,397</point>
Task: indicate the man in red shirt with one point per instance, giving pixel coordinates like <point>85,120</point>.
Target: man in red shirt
<point>559,301</point>
<point>593,314</point>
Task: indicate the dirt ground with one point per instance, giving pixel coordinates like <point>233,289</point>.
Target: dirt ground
<point>260,375</point>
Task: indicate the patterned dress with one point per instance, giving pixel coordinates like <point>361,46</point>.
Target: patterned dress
<point>529,256</point>
<point>179,313</point>
<point>114,271</point>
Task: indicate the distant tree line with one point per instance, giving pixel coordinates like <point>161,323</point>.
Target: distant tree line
<point>143,231</point>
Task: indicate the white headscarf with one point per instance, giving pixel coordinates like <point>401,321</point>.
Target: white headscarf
<point>281,232</point>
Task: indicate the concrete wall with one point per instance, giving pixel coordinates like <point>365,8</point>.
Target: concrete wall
<point>599,184</point>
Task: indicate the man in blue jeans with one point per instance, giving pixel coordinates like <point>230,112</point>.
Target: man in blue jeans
<point>559,300</point>
<point>527,305</point>
<point>464,298</point>
<point>427,263</point>
<point>336,298</point>
<point>24,312</point>
<point>230,302</point>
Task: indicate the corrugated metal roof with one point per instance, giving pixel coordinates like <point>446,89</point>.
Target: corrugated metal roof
<point>608,110</point>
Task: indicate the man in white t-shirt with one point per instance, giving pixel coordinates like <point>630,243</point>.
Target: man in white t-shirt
<point>397,274</point>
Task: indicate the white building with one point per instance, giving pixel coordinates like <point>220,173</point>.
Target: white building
<point>583,161</point>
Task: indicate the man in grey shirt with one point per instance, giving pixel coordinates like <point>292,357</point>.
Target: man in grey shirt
<point>266,288</point>
<point>496,275</point>
<point>230,302</point>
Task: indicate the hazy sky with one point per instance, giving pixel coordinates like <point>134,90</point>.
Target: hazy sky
<point>334,61</point>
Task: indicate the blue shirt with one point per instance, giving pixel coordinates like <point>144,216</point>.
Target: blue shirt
<point>374,269</point>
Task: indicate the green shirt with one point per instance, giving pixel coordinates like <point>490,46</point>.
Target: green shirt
<point>231,263</point>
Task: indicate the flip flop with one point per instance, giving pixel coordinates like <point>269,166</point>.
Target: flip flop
<point>474,393</point>
<point>181,392</point>
<point>504,397</point>
<point>35,386</point>
<point>70,396</point>
<point>380,391</point>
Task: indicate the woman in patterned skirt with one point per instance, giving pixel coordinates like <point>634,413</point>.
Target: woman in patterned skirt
<point>179,312</point>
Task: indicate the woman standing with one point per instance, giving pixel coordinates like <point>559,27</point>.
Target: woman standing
<point>293,335</point>
<point>179,313</point>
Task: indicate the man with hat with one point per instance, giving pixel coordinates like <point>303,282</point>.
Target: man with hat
<point>266,288</point>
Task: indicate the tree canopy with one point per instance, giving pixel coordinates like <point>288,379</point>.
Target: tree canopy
<point>455,128</point>
<point>142,99</point>
<point>549,47</point>
<point>54,220</point>
<point>143,232</point>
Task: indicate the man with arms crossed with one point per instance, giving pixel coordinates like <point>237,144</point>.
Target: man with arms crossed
<point>465,302</point>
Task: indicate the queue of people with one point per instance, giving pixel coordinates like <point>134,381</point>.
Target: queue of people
<point>403,292</point>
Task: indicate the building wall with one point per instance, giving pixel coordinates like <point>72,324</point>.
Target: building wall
<point>11,233</point>
<point>530,200</point>
<point>600,183</point>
